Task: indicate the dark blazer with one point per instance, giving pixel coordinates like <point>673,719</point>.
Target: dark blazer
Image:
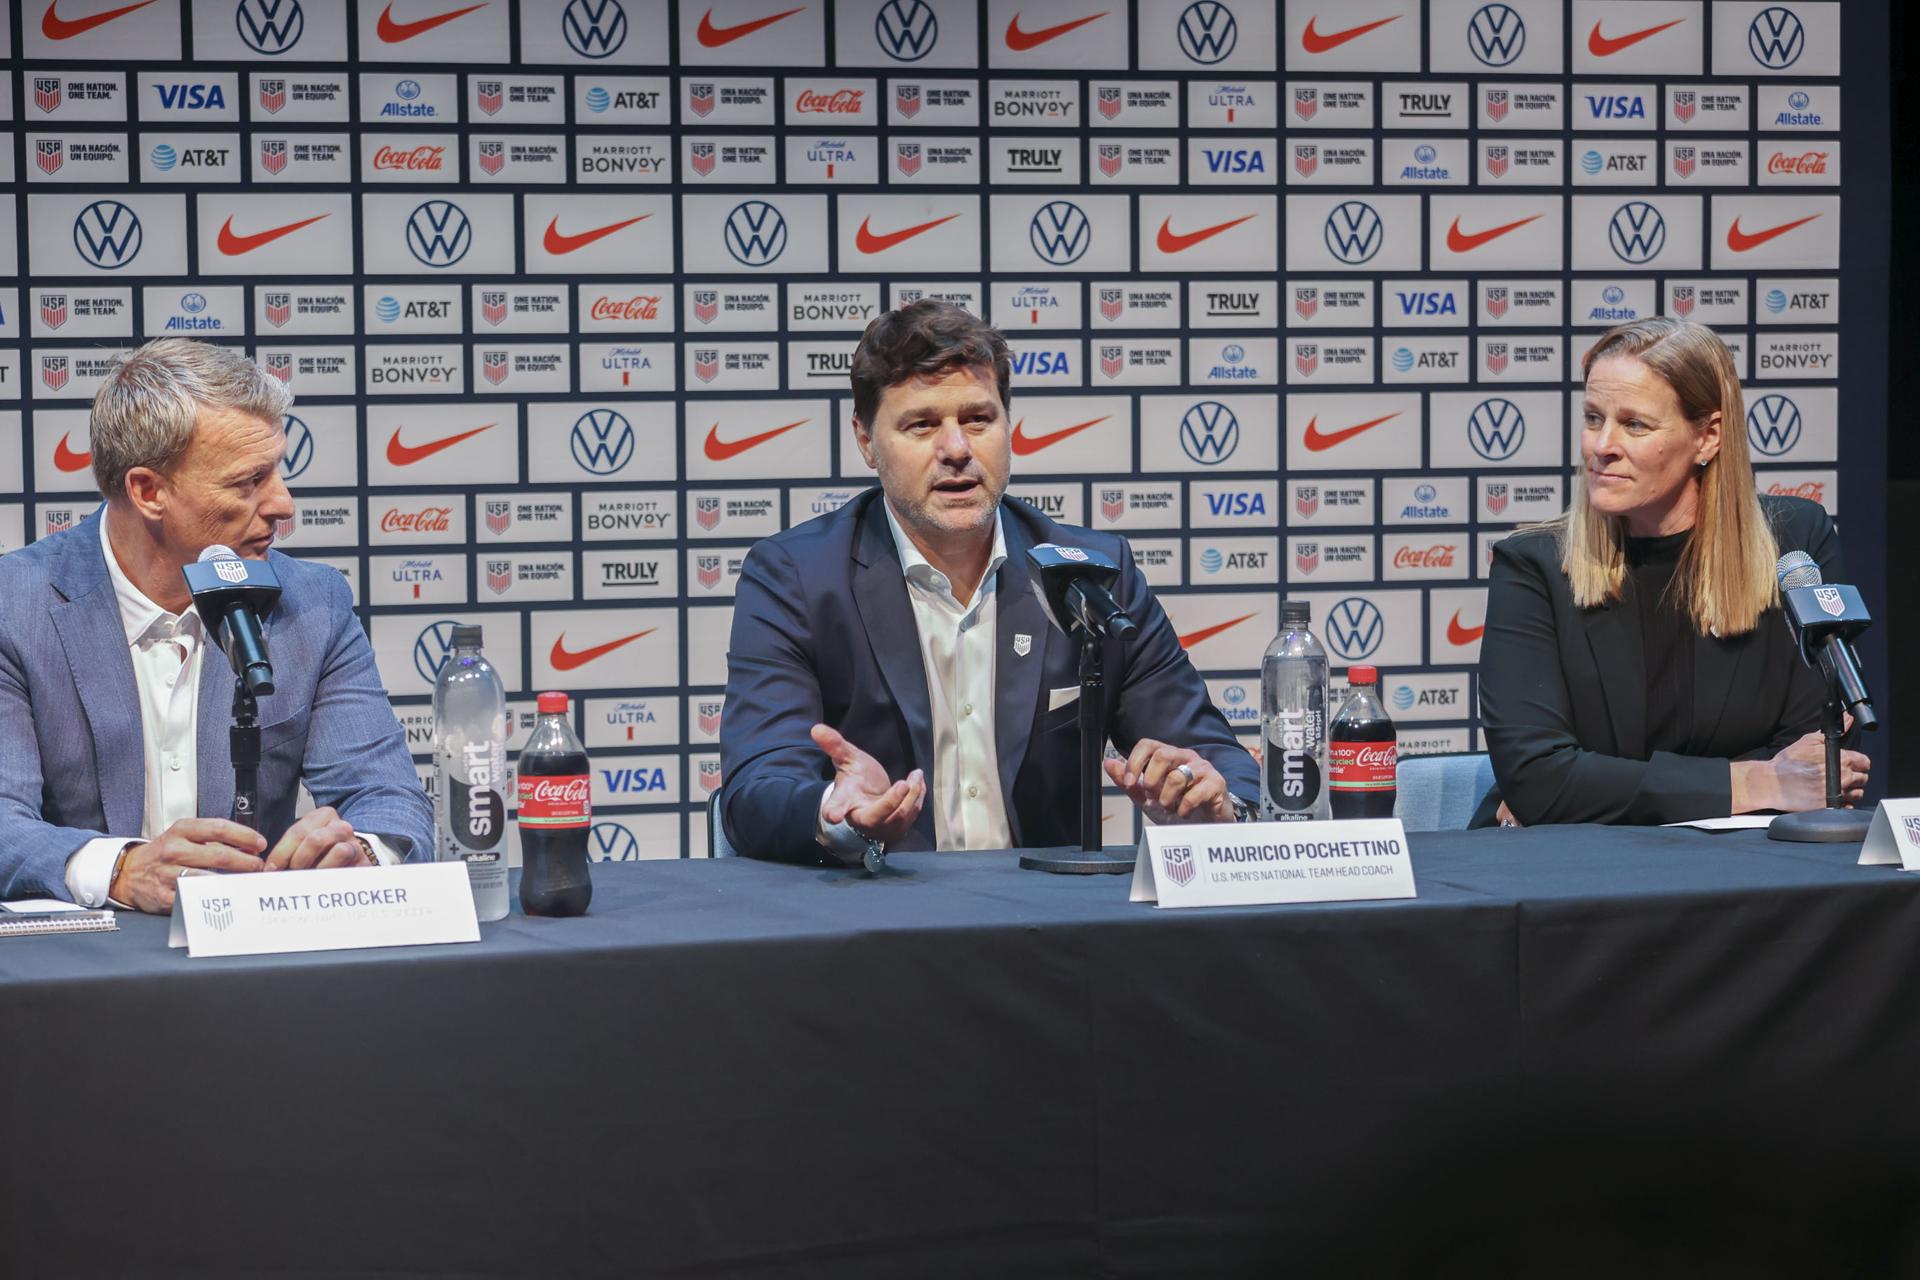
<point>1562,702</point>
<point>823,632</point>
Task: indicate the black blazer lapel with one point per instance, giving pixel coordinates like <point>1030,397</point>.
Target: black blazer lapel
<point>1613,634</point>
<point>1018,668</point>
<point>880,591</point>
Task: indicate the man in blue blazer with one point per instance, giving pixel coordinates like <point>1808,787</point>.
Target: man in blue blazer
<point>114,705</point>
<point>893,680</point>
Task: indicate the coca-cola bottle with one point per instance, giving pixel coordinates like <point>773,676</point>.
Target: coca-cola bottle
<point>556,809</point>
<point>1363,751</point>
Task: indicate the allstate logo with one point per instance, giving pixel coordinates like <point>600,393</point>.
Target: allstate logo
<point>1613,295</point>
<point>1592,162</point>
<point>1776,38</point>
<point>270,26</point>
<point>1424,493</point>
<point>906,30</point>
<point>594,28</point>
<point>1207,32</point>
<point>1424,154</point>
<point>1060,233</point>
<point>406,90</point>
<point>1211,559</point>
<point>431,649</point>
<point>611,842</point>
<point>1496,35</point>
<point>1799,100</point>
<point>1353,232</point>
<point>193,303</point>
<point>1209,433</point>
<point>1495,429</point>
<point>1234,694</point>
<point>299,454</point>
<point>1402,359</point>
<point>756,233</point>
<point>1233,353</point>
<point>598,100</point>
<point>438,233</point>
<point>1637,232</point>
<point>1773,424</point>
<point>388,309</point>
<point>1355,628</point>
<point>164,157</point>
<point>603,441</point>
<point>107,234</point>
<point>1402,697</point>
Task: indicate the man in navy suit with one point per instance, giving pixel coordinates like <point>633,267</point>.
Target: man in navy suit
<point>114,769</point>
<point>893,680</point>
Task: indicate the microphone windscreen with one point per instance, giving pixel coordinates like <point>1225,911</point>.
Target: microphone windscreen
<point>218,552</point>
<point>1797,569</point>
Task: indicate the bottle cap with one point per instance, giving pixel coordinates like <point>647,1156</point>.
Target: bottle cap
<point>552,704</point>
<point>467,633</point>
<point>1295,611</point>
<point>1362,675</point>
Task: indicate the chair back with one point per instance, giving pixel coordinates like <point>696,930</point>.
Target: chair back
<point>717,843</point>
<point>1441,792</point>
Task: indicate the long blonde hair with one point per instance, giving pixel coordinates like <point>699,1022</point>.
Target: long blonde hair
<point>1725,579</point>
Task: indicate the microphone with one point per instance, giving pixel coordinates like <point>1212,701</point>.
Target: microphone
<point>1074,589</point>
<point>233,595</point>
<point>1823,620</point>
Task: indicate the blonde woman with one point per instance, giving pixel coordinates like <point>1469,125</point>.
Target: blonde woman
<point>1635,667</point>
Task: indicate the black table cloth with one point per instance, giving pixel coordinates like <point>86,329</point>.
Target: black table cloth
<point>1578,1052</point>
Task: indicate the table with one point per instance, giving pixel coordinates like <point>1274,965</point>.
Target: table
<point>1578,1052</point>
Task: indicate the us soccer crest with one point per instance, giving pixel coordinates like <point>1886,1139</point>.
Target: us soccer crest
<point>709,775</point>
<point>273,96</point>
<point>1113,504</point>
<point>493,365</point>
<point>1496,498</point>
<point>1497,104</point>
<point>46,93</point>
<point>706,305</point>
<point>707,512</point>
<point>1496,357</point>
<point>1912,824</point>
<point>1306,158</point>
<point>707,569</point>
<point>1306,102</point>
<point>53,372</point>
<point>706,363</point>
<point>492,156</point>
<point>700,97</point>
<point>1830,600</point>
<point>1178,861</point>
<point>493,306</point>
<point>1306,500</point>
<point>1497,161</point>
<point>53,309</point>
<point>1110,160</point>
<point>1683,161</point>
<point>279,309</point>
<point>1683,298</point>
<point>273,155</point>
<point>487,93</point>
<point>1022,644</point>
<point>1306,303</point>
<point>1685,103</point>
<point>1109,100</point>
<point>1497,298</point>
<point>279,364</point>
<point>49,154</point>
<point>1112,303</point>
<point>234,571</point>
<point>1113,360</point>
<point>708,713</point>
<point>1306,557</point>
<point>701,156</point>
<point>1306,358</point>
<point>499,576</point>
<point>499,516</point>
<point>906,156</point>
<point>60,519</point>
<point>906,99</point>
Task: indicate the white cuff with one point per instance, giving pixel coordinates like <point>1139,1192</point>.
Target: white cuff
<point>840,835</point>
<point>90,869</point>
<point>383,853</point>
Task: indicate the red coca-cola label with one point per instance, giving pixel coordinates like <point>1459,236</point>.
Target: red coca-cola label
<point>842,102</point>
<point>639,307</point>
<point>425,520</point>
<point>565,801</point>
<point>1807,162</point>
<point>1362,766</point>
<point>1814,490</point>
<point>418,158</point>
<point>1438,556</point>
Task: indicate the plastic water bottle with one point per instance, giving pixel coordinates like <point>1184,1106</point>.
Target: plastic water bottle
<point>470,731</point>
<point>1293,720</point>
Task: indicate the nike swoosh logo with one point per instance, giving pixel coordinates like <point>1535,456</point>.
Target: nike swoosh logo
<point>1024,444</point>
<point>1020,41</point>
<point>1193,638</point>
<point>867,242</point>
<point>394,32</point>
<point>1740,241</point>
<point>67,460</point>
<point>234,245</point>
<point>55,27</point>
<point>1601,47</point>
<point>1457,634</point>
<point>1318,440</point>
<point>713,37</point>
<point>720,450</point>
<point>1171,241</point>
<point>557,241</point>
<point>1460,241</point>
<point>1313,42</point>
<point>564,659</point>
<point>405,455</point>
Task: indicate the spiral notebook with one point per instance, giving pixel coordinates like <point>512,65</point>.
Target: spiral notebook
<point>33,918</point>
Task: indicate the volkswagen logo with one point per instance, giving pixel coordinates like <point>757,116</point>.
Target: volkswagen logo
<point>602,441</point>
<point>431,647</point>
<point>1495,429</point>
<point>1354,232</point>
<point>1496,34</point>
<point>299,454</point>
<point>438,233</point>
<point>611,842</point>
<point>1060,233</point>
<point>1207,31</point>
<point>1355,628</point>
<point>594,28</point>
<point>270,26</point>
<point>906,29</point>
<point>1775,38</point>
<point>1209,433</point>
<point>107,234</point>
<point>756,233</point>
<point>1637,232</point>
<point>1773,424</point>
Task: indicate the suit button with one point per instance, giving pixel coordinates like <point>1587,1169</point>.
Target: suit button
<point>173,763</point>
<point>966,708</point>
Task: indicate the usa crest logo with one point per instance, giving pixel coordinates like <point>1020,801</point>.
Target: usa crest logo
<point>1178,860</point>
<point>493,306</point>
<point>706,511</point>
<point>700,97</point>
<point>273,96</point>
<point>1113,302</point>
<point>701,156</point>
<point>487,93</point>
<point>1109,100</point>
<point>1685,103</point>
<point>53,309</point>
<point>1683,299</point>
<point>53,372</point>
<point>1113,503</point>
<point>273,155</point>
<point>49,154</point>
<point>1496,357</point>
<point>493,366</point>
<point>1306,302</point>
<point>1498,102</point>
<point>499,514</point>
<point>279,364</point>
<point>1683,161</point>
<point>492,156</point>
<point>499,576</point>
<point>708,714</point>
<point>1912,825</point>
<point>1497,495</point>
<point>1497,159</point>
<point>706,305</point>
<point>46,93</point>
<point>1497,299</point>
<point>1830,600</point>
<point>707,570</point>
<point>1113,361</point>
<point>906,156</point>
<point>1306,102</point>
<point>279,309</point>
<point>1306,557</point>
<point>1306,158</point>
<point>1110,158</point>
<point>1306,358</point>
<point>706,363</point>
<point>906,100</point>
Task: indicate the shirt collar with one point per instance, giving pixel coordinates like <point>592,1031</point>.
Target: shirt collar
<point>138,615</point>
<point>914,566</point>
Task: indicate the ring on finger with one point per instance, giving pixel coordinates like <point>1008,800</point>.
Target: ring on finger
<point>1186,769</point>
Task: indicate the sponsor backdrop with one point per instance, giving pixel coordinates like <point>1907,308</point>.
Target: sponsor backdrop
<point>567,290</point>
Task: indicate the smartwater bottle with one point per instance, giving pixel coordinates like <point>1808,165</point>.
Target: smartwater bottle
<point>1293,717</point>
<point>470,729</point>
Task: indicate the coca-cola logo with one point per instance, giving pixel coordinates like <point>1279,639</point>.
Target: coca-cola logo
<point>419,159</point>
<point>841,102</point>
<point>1812,490</point>
<point>560,790</point>
<point>1376,755</point>
<point>1805,162</point>
<point>1439,556</point>
<point>425,520</point>
<point>639,307</point>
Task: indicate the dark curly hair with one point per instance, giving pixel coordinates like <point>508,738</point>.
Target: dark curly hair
<point>926,337</point>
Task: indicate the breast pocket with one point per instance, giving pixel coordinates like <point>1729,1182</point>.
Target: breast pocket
<point>284,742</point>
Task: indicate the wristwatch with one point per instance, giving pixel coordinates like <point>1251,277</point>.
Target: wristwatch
<point>1243,810</point>
<point>875,857</point>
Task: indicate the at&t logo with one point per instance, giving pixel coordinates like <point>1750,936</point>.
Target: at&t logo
<point>1060,233</point>
<point>603,441</point>
<point>1355,628</point>
<point>756,233</point>
<point>1773,424</point>
<point>906,30</point>
<point>1496,35</point>
<point>1208,31</point>
<point>1495,428</point>
<point>107,234</point>
<point>438,233</point>
<point>270,26</point>
<point>594,28</point>
<point>1637,232</point>
<point>432,647</point>
<point>299,454</point>
<point>1209,433</point>
<point>1776,38</point>
<point>1354,231</point>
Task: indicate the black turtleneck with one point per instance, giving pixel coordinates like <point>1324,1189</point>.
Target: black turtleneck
<point>1666,639</point>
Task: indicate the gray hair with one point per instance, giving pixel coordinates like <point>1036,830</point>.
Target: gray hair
<point>145,409</point>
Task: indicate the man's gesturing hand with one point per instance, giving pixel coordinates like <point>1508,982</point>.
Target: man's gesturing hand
<point>1153,779</point>
<point>147,875</point>
<point>863,796</point>
<point>320,840</point>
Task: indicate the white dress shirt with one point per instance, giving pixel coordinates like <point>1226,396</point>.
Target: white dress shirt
<point>167,650</point>
<point>957,650</point>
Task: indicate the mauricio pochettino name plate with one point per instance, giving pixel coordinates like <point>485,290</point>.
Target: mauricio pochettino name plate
<point>1243,863</point>
<point>340,909</point>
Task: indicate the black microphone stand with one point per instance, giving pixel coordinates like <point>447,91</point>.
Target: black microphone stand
<point>1091,859</point>
<point>1833,824</point>
<point>243,744</point>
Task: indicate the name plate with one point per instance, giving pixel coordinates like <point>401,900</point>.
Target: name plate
<point>340,909</point>
<point>1243,863</point>
<point>1894,838</point>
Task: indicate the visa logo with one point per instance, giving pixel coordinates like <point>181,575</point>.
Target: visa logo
<point>1616,107</point>
<point>1427,304</point>
<point>191,97</point>
<point>1237,160</point>
<point>1040,363</point>
<point>631,780</point>
<point>1236,504</point>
